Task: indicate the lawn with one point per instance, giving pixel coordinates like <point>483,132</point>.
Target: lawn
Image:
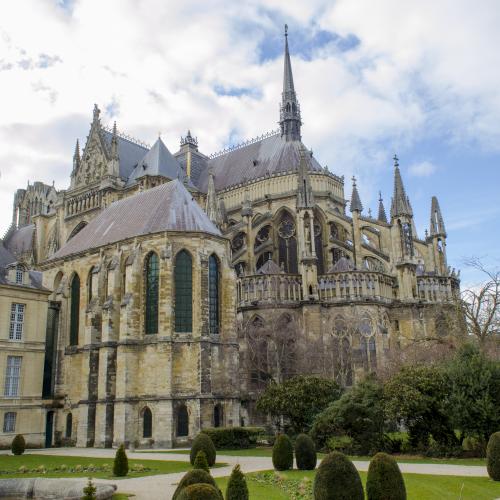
<point>62,466</point>
<point>267,452</point>
<point>419,487</point>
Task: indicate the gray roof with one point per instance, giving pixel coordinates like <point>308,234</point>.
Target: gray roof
<point>7,259</point>
<point>129,153</point>
<point>167,207</point>
<point>270,267</point>
<point>265,157</point>
<point>158,161</point>
<point>20,240</point>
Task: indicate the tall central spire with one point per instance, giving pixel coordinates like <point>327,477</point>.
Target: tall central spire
<point>289,110</point>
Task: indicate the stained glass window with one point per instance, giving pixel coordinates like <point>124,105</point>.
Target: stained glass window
<point>183,277</point>
<point>287,244</point>
<point>152,288</point>
<point>75,311</point>
<point>213,294</point>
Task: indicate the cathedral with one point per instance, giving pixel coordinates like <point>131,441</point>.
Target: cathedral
<point>177,285</point>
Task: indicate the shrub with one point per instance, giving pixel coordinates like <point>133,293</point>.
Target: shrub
<point>200,492</point>
<point>89,492</point>
<point>202,442</point>
<point>234,437</point>
<point>283,453</point>
<point>18,445</point>
<point>344,444</point>
<point>120,465</point>
<point>305,452</point>
<point>195,476</point>
<point>337,479</point>
<point>384,480</point>
<point>237,488</point>
<point>200,462</point>
<point>493,456</point>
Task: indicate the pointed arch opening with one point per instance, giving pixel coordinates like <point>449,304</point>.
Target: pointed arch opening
<point>213,294</point>
<point>151,290</point>
<point>287,243</point>
<point>182,427</point>
<point>69,425</point>
<point>74,326</point>
<point>183,282</point>
<point>218,415</point>
<point>147,423</point>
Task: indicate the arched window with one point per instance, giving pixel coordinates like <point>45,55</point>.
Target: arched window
<point>147,423</point>
<point>74,310</point>
<point>151,291</point>
<point>287,243</point>
<point>263,258</point>
<point>89,285</point>
<point>182,421</point>
<point>218,415</point>
<point>69,425</point>
<point>183,278</point>
<point>318,244</point>
<point>213,293</point>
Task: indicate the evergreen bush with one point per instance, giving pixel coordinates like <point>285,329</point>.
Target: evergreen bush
<point>237,488</point>
<point>384,481</point>
<point>337,479</point>
<point>202,442</point>
<point>305,452</point>
<point>195,476</point>
<point>234,437</point>
<point>18,445</point>
<point>200,462</point>
<point>120,465</point>
<point>283,453</point>
<point>200,492</point>
<point>89,492</point>
<point>493,456</point>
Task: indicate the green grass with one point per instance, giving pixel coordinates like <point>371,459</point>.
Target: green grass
<point>419,487</point>
<point>9,466</point>
<point>267,452</point>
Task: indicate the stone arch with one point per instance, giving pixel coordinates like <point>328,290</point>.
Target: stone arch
<point>77,229</point>
<point>182,420</point>
<point>147,422</point>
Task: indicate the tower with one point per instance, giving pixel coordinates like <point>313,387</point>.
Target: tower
<point>289,109</point>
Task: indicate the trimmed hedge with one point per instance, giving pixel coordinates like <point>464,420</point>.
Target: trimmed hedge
<point>493,456</point>
<point>200,462</point>
<point>305,452</point>
<point>202,442</point>
<point>199,492</point>
<point>337,479</point>
<point>385,481</point>
<point>120,465</point>
<point>234,437</point>
<point>195,476</point>
<point>283,453</point>
<point>18,445</point>
<point>237,488</point>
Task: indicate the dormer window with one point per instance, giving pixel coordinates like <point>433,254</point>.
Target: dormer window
<point>19,275</point>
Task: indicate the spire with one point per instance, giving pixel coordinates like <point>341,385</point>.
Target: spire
<point>437,223</point>
<point>400,202</point>
<point>114,143</point>
<point>213,205</point>
<point>382,216</point>
<point>356,205</point>
<point>76,156</point>
<point>305,198</point>
<point>289,110</point>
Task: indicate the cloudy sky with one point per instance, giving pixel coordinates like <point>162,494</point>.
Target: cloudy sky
<point>420,78</point>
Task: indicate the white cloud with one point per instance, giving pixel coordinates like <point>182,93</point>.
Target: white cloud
<point>422,169</point>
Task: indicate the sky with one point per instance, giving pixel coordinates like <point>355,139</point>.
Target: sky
<point>417,78</point>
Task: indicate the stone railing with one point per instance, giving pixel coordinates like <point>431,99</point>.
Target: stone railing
<point>269,288</point>
<point>437,288</point>
<point>82,203</point>
<point>355,285</point>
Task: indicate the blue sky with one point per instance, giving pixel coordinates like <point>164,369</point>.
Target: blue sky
<point>416,78</point>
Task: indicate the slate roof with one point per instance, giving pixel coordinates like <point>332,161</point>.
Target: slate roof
<point>270,267</point>
<point>267,156</point>
<point>129,153</point>
<point>167,207</point>
<point>20,240</point>
<point>6,259</point>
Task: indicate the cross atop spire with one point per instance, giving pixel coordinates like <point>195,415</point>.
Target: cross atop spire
<point>400,202</point>
<point>289,109</point>
<point>382,216</point>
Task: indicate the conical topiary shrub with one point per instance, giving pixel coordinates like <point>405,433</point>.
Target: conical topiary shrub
<point>493,456</point>
<point>195,476</point>
<point>18,445</point>
<point>283,453</point>
<point>305,452</point>
<point>199,492</point>
<point>200,462</point>
<point>120,465</point>
<point>89,492</point>
<point>237,488</point>
<point>337,479</point>
<point>202,442</point>
<point>385,481</point>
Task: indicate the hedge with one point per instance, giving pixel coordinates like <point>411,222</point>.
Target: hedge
<point>233,437</point>
<point>493,456</point>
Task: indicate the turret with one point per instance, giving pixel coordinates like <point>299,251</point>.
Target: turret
<point>382,216</point>
<point>437,238</point>
<point>356,208</point>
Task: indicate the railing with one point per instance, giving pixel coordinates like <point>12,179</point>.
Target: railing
<point>82,203</point>
<point>437,288</point>
<point>269,288</point>
<point>353,285</point>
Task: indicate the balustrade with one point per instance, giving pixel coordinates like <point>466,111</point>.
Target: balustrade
<point>82,203</point>
<point>269,288</point>
<point>437,288</point>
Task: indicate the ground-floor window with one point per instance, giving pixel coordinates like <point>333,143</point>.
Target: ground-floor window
<point>69,425</point>
<point>182,421</point>
<point>218,415</point>
<point>147,423</point>
<point>9,422</point>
